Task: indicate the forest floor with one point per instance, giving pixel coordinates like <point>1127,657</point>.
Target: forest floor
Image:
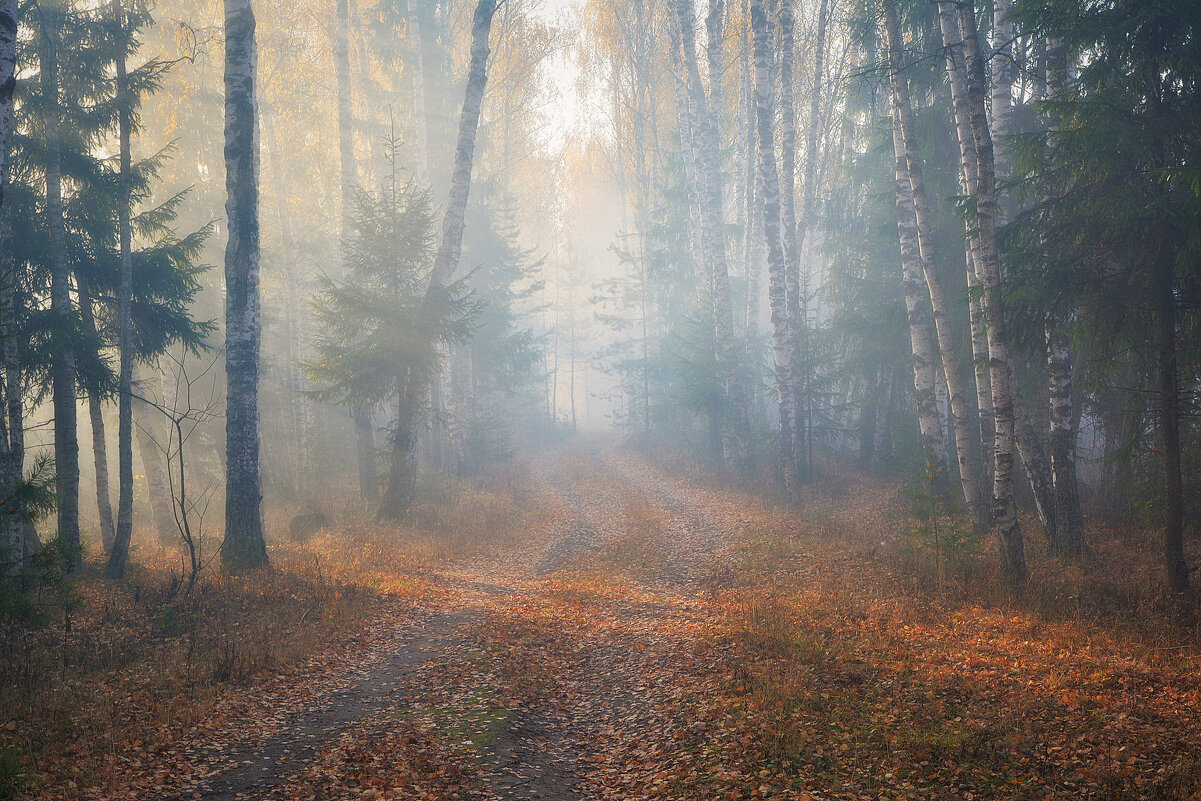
<point>643,635</point>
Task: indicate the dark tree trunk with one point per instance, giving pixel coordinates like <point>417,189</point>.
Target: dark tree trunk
<point>63,378</point>
<point>13,524</point>
<point>1169,425</point>
<point>104,504</point>
<point>120,551</point>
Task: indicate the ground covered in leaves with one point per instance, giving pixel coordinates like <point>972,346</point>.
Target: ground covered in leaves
<point>606,628</point>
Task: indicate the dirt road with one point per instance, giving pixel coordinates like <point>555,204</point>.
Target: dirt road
<point>556,672</point>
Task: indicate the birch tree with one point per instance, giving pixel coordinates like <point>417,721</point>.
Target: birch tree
<point>917,307</point>
<point>1069,523</point>
<point>912,169</point>
<point>803,221</point>
<point>150,434</point>
<point>986,254</point>
<point>707,138</point>
<point>244,545</point>
<point>363,428</point>
<point>769,190</point>
<point>953,52</point>
<point>403,470</point>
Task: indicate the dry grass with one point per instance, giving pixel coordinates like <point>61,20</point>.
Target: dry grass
<point>138,661</point>
<point>124,666</point>
<point>859,670</point>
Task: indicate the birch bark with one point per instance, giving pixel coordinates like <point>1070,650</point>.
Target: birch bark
<point>803,222</point>
<point>243,546</point>
<point>403,468</point>
<point>736,437</point>
<point>1069,522</point>
<point>769,190</point>
<point>684,124</point>
<point>969,472</point>
<point>953,52</point>
<point>987,260</point>
<point>917,306</point>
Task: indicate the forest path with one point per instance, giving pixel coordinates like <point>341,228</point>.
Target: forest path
<point>548,674</point>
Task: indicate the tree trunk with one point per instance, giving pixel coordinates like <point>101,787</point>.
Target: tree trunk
<point>1004,70</point>
<point>1030,446</point>
<point>753,241</point>
<point>120,550</point>
<point>63,378</point>
<point>1169,426</point>
<point>363,429</point>
<point>104,504</point>
<point>909,171</point>
<point>709,182</point>
<point>788,222</point>
<point>421,146</point>
<point>402,473</point>
<point>368,123</point>
<point>420,123</point>
<point>987,259</point>
<point>1069,522</point>
<point>244,545</point>
<point>296,305</point>
<point>13,524</point>
<point>917,307</point>
<point>788,213</point>
<point>9,14</point>
<point>688,148</point>
<point>801,222</point>
<point>446,262</point>
<point>769,190</point>
<point>967,180</point>
<point>151,450</point>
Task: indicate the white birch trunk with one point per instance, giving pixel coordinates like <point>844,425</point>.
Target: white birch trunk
<point>769,189</point>
<point>684,125</point>
<point>736,436</point>
<point>969,472</point>
<point>802,372</point>
<point>243,546</point>
<point>403,472</point>
<point>988,264</point>
<point>917,307</point>
<point>1069,522</point>
<point>967,180</point>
